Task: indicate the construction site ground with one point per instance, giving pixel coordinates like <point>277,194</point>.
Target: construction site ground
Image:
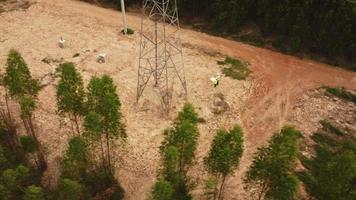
<point>268,99</point>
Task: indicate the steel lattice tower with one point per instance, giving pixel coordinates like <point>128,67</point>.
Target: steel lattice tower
<point>161,54</point>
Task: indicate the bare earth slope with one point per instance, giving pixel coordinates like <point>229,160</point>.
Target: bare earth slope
<point>260,105</point>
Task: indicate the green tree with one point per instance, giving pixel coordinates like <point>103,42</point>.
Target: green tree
<point>71,95</point>
<point>104,119</point>
<point>76,160</point>
<point>13,179</point>
<point>178,152</point>
<point>4,193</point>
<point>7,121</point>
<point>24,89</point>
<point>330,174</point>
<point>162,190</point>
<point>28,144</point>
<point>224,156</point>
<point>183,135</point>
<point>34,193</point>
<point>69,190</point>
<point>3,159</point>
<point>272,170</point>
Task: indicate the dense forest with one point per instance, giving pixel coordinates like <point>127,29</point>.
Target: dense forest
<point>319,28</point>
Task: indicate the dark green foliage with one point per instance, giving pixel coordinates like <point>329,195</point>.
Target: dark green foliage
<point>224,156</point>
<point>342,93</point>
<point>187,114</point>
<point>162,190</point>
<point>34,193</point>
<point>69,190</point>
<point>82,180</point>
<point>178,153</point>
<point>24,89</point>
<point>15,175</point>
<point>13,179</point>
<point>103,121</point>
<point>70,95</point>
<point>331,172</point>
<point>272,170</point>
<point>183,136</point>
<point>99,180</point>
<point>225,152</point>
<point>311,26</point>
<point>103,100</point>
<point>17,78</point>
<point>93,126</point>
<point>27,105</point>
<point>235,68</point>
<point>76,159</point>
<point>77,149</point>
<point>3,159</point>
<point>28,144</point>
<point>119,193</point>
<point>4,193</point>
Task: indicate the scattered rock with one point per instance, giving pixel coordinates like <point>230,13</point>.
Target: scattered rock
<point>219,104</point>
<point>61,43</point>
<point>76,55</point>
<point>101,58</point>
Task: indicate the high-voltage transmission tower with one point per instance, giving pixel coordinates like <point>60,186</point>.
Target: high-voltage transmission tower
<point>161,56</point>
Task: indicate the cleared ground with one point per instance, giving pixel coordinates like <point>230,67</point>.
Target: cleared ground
<point>261,104</point>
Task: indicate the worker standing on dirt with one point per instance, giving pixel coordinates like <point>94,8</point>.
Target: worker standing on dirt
<point>216,80</point>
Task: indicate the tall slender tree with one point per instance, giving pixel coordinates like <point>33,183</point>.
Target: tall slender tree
<point>24,89</point>
<point>272,170</point>
<point>224,156</point>
<point>6,120</point>
<point>104,119</point>
<point>71,95</point>
<point>178,153</point>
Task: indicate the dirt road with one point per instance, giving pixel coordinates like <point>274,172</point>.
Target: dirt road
<point>277,81</point>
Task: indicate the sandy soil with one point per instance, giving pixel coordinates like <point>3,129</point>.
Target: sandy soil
<point>260,105</point>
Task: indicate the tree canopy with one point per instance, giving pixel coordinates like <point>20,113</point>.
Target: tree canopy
<point>272,170</point>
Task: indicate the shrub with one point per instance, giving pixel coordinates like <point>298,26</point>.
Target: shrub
<point>342,93</point>
<point>224,156</point>
<point>272,170</point>
<point>235,69</point>
<point>162,190</point>
<point>34,193</point>
<point>69,190</point>
<point>28,144</point>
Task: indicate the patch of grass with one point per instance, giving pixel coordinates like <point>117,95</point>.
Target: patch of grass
<point>342,93</point>
<point>235,69</point>
<point>1,9</point>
